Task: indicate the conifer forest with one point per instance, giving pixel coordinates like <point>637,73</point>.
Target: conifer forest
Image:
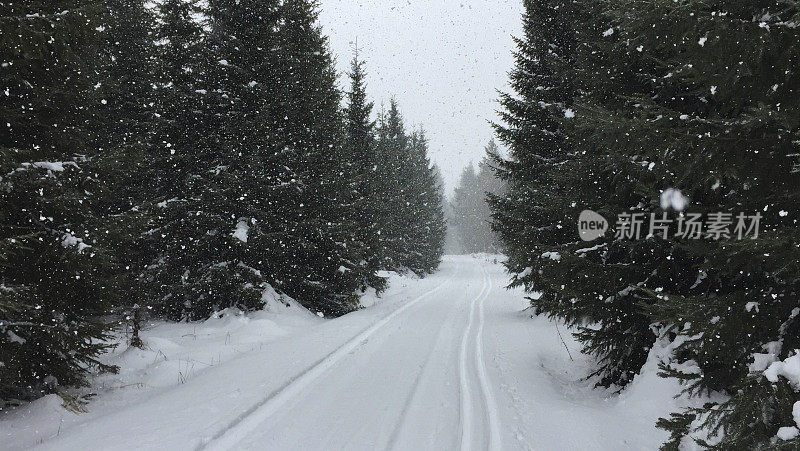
<point>400,224</point>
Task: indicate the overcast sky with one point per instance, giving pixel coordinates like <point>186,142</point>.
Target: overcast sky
<point>443,60</point>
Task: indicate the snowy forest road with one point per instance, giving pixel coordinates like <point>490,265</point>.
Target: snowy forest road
<point>414,380</point>
<point>449,362</point>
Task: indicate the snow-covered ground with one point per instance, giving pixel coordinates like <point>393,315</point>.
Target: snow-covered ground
<point>447,362</point>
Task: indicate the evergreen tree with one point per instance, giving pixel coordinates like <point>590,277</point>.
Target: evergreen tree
<point>362,166</point>
<point>733,133</point>
<point>124,129</point>
<point>427,231</point>
<point>472,218</point>
<point>393,212</point>
<point>411,213</point>
<point>564,160</point>
<point>465,218</point>
<point>196,237</point>
<point>53,281</point>
<point>528,217</point>
<point>663,103</point>
<point>730,153</point>
<point>292,176</point>
<point>129,55</point>
<point>323,247</point>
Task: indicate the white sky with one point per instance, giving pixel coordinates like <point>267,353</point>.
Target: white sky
<point>442,59</point>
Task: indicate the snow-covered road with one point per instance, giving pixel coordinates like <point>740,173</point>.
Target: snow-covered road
<point>447,362</point>
<point>416,379</point>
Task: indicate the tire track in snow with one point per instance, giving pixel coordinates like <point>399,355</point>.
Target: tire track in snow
<point>231,434</point>
<point>486,389</point>
<point>467,420</point>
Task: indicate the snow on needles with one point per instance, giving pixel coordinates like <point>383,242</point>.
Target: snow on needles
<point>674,199</point>
<point>789,368</point>
<point>55,166</point>
<point>71,240</point>
<point>552,256</point>
<point>242,230</point>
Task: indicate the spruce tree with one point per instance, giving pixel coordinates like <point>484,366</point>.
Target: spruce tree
<point>464,208</point>
<point>323,248</point>
<point>528,216</point>
<point>196,237</point>
<point>664,103</point>
<point>733,139</point>
<point>124,130</point>
<point>579,162</point>
<point>424,196</point>
<point>552,173</point>
<point>293,176</point>
<point>361,162</point>
<point>53,280</point>
<point>411,215</point>
<point>668,108</point>
<point>491,185</point>
<point>472,219</point>
<point>394,213</point>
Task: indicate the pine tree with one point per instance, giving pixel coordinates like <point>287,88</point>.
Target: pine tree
<point>362,166</point>
<point>393,214</point>
<point>427,233</point>
<point>411,214</point>
<point>733,136</point>
<point>472,218</point>
<point>664,103</point>
<point>53,280</point>
<point>292,176</point>
<point>124,129</point>
<point>196,236</point>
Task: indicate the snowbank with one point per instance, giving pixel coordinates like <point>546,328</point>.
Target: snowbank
<point>174,354</point>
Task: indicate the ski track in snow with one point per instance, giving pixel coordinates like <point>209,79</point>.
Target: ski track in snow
<point>401,420</point>
<point>468,407</point>
<point>486,389</point>
<point>228,437</point>
<point>466,394</point>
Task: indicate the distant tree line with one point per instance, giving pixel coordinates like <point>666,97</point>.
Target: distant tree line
<point>174,158</point>
<point>617,104</point>
<point>470,217</point>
